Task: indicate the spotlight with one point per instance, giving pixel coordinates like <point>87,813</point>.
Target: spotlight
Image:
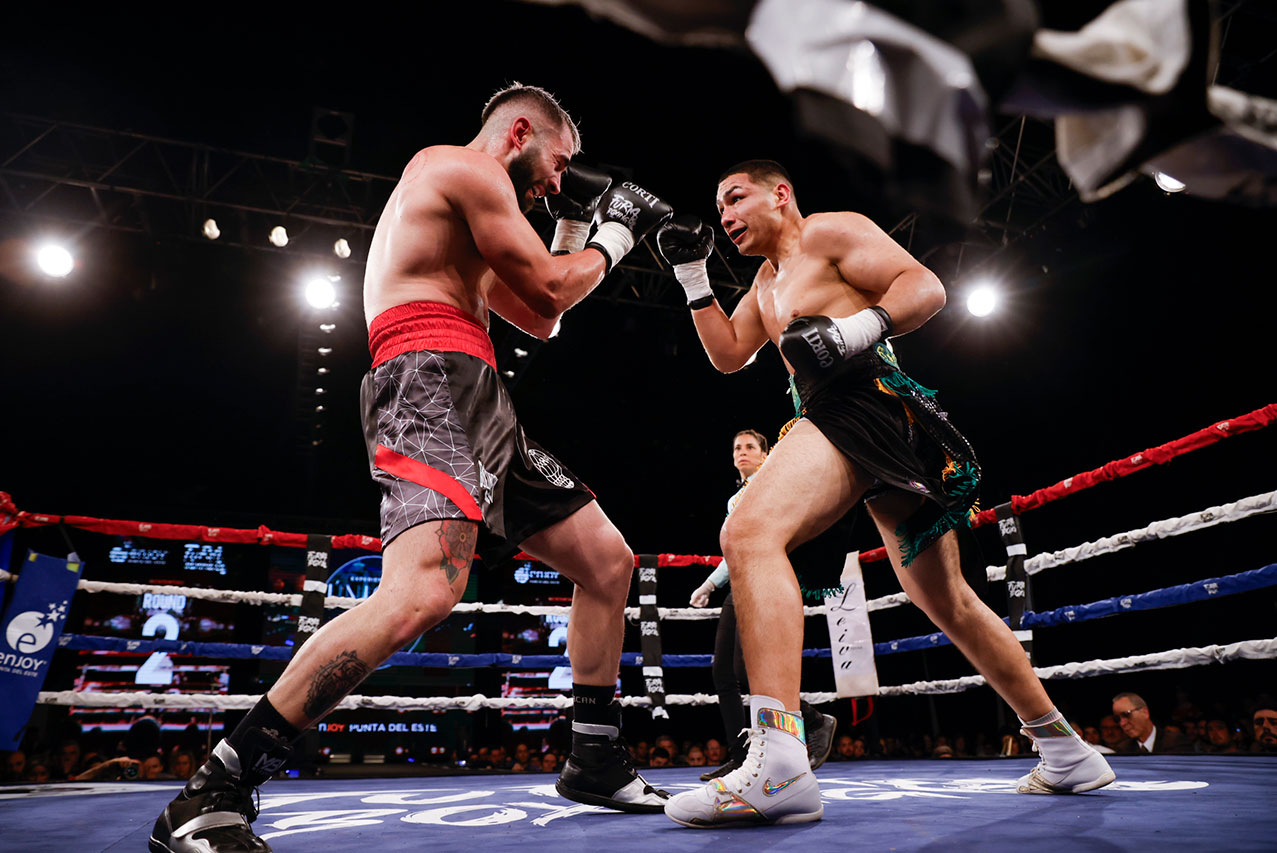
<point>322,371</point>
<point>341,248</point>
<point>320,293</point>
<point>211,231</point>
<point>279,236</point>
<point>1167,183</point>
<point>982,300</point>
<point>319,409</point>
<point>54,261</point>
<point>319,392</point>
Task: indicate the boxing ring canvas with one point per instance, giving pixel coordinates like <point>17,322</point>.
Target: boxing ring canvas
<point>1171,802</point>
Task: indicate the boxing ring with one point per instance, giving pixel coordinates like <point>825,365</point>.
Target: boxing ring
<point>1203,802</point>
<point>1191,802</point>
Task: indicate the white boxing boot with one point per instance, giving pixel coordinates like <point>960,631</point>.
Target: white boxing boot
<point>774,785</point>
<point>1069,764</point>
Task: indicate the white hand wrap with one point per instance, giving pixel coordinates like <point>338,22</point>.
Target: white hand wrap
<point>861,330</point>
<point>569,237</point>
<point>694,278</point>
<point>615,240</point>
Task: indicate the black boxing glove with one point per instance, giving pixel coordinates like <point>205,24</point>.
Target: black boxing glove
<point>573,207</point>
<point>686,243</point>
<point>625,215</point>
<point>817,346</point>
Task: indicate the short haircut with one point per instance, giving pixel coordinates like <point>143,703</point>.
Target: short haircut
<point>760,172</point>
<point>1136,701</point>
<point>758,436</point>
<point>533,98</point>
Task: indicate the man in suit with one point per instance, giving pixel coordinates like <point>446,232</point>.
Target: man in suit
<point>1137,724</point>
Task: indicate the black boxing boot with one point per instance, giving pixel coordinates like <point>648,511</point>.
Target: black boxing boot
<point>735,758</point>
<point>600,772</point>
<point>214,811</point>
<point>820,734</point>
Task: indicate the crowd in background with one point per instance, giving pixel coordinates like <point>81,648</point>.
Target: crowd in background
<point>1132,728</point>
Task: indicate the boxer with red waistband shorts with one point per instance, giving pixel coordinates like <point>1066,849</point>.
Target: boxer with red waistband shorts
<point>449,455</point>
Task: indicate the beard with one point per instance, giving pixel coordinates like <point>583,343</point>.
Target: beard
<point>522,176</point>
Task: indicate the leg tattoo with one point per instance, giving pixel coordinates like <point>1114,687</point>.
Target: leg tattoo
<point>334,680</point>
<point>456,541</point>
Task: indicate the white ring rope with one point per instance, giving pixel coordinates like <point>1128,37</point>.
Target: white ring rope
<point>1173,659</point>
<point>1210,517</point>
<point>232,596</point>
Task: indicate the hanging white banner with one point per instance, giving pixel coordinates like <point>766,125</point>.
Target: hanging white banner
<point>853,650</point>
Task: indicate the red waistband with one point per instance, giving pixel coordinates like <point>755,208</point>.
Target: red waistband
<point>427,326</point>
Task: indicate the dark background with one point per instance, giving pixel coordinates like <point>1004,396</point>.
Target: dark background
<point>159,381</point>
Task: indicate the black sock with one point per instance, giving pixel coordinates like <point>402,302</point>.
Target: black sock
<point>593,704</point>
<point>263,716</point>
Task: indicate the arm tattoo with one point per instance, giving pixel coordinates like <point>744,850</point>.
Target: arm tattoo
<point>332,682</point>
<point>456,541</point>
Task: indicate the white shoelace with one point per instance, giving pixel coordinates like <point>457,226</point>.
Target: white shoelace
<point>742,777</point>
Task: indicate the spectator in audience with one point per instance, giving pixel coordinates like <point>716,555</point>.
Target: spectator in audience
<point>1091,734</point>
<point>1219,738</point>
<point>1195,734</point>
<point>660,757</point>
<point>550,762</point>
<point>1264,724</point>
<point>715,754</point>
<point>642,753</point>
<point>499,759</point>
<point>152,768</point>
<point>1134,717</point>
<point>521,754</point>
<point>676,758</point>
<point>68,759</point>
<point>696,756</point>
<point>182,764</point>
<point>1113,737</point>
<point>942,751</point>
<point>16,766</point>
<point>38,771</point>
<point>843,749</point>
<point>534,763</point>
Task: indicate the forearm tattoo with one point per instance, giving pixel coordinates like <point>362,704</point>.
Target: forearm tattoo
<point>456,541</point>
<point>333,682</point>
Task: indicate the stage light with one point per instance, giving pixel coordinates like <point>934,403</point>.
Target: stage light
<point>1167,183</point>
<point>211,231</point>
<point>320,293</point>
<point>279,236</point>
<point>982,300</point>
<point>341,248</point>
<point>54,261</point>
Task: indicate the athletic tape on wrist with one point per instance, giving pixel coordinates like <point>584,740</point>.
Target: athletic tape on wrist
<point>569,236</point>
<point>695,280</point>
<point>614,240</point>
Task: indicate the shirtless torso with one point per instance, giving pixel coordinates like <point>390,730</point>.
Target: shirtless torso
<point>454,232</point>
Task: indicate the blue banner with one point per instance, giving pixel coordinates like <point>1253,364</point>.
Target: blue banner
<point>32,624</point>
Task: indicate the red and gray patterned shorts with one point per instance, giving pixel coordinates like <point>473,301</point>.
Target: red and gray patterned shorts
<point>443,439</point>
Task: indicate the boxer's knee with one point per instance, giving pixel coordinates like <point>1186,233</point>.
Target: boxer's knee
<point>743,540</point>
<point>408,614</point>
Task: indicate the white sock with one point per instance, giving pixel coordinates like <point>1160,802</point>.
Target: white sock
<point>1055,739</point>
